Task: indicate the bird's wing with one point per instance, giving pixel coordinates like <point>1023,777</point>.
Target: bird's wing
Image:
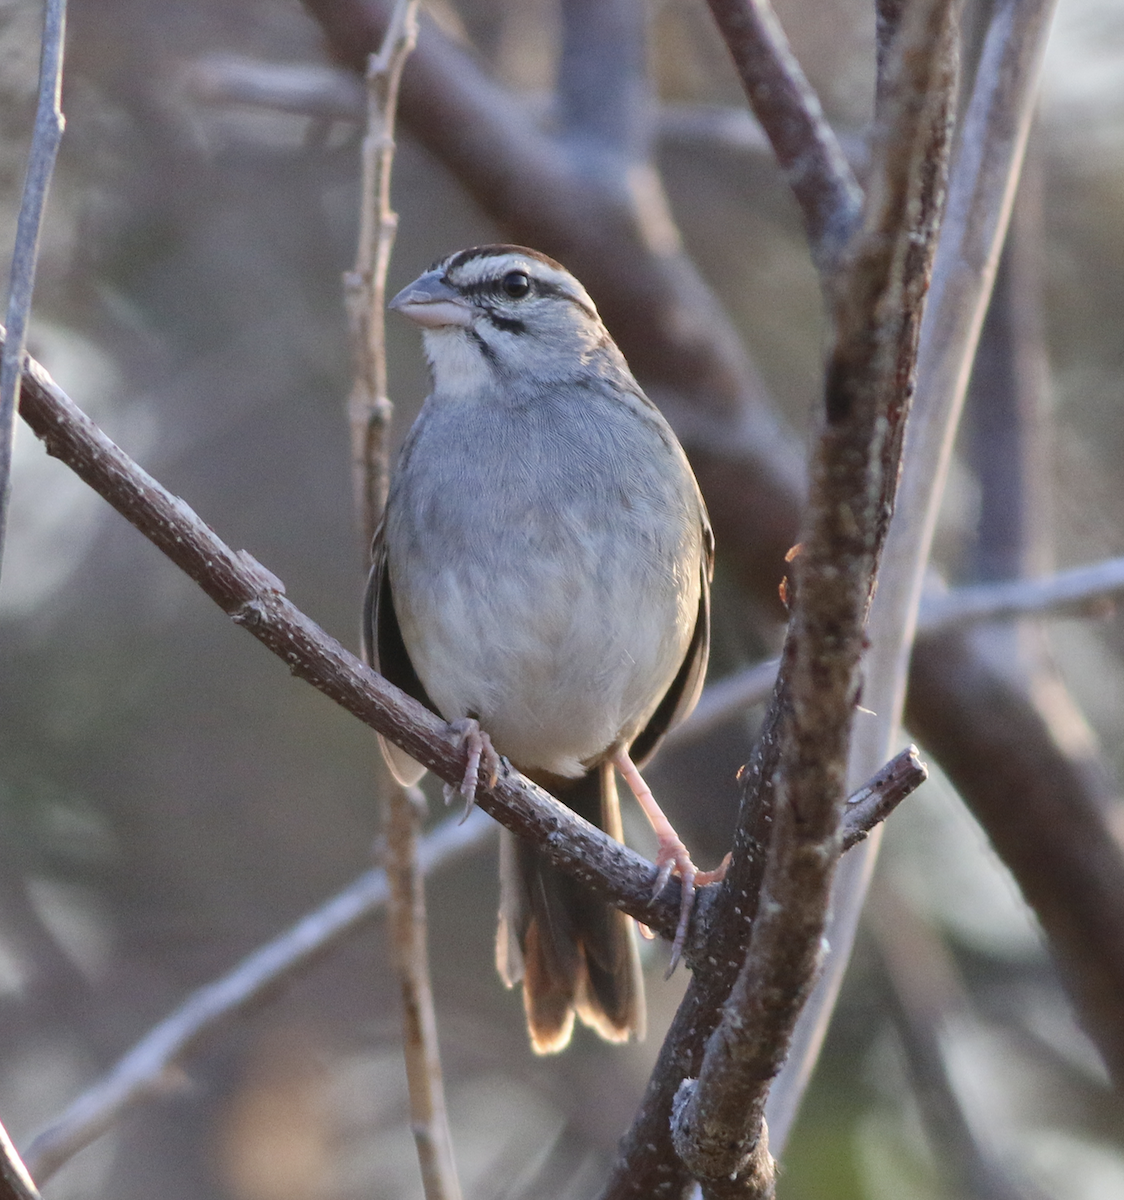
<point>681,697</point>
<point>384,649</point>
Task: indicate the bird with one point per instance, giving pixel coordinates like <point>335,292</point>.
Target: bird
<point>541,580</point>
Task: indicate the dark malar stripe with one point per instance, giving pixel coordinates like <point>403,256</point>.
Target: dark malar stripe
<point>507,324</point>
<point>486,351</point>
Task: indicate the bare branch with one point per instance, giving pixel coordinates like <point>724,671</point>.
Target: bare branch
<point>143,1071</point>
<point>369,417</point>
<point>993,739</point>
<point>254,598</point>
<point>878,797</point>
<point>984,175</point>
<point>429,1122</point>
<point>45,140</point>
<point>369,407</point>
<point>718,1121</point>
<point>15,1182</point>
<point>784,102</point>
<point>1080,591</point>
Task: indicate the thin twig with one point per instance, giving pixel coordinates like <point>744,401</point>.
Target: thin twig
<point>868,807</point>
<point>789,110</point>
<point>369,417</point>
<point>369,407</point>
<point>15,1182</point>
<point>429,1121</point>
<point>144,1071</point>
<point>1079,591</point>
<point>49,123</point>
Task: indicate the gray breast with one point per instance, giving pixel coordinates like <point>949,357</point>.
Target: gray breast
<point>546,561</point>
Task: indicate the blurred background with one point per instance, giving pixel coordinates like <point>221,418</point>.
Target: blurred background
<point>170,797</point>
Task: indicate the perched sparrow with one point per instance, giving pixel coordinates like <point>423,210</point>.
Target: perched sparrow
<point>541,577</point>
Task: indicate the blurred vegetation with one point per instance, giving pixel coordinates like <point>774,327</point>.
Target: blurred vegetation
<point>169,797</point>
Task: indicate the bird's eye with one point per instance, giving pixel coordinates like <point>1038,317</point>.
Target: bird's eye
<point>516,284</point>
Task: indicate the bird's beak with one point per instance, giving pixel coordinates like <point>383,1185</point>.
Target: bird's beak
<point>431,302</point>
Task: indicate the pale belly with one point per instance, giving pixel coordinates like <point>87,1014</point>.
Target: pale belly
<point>561,658</point>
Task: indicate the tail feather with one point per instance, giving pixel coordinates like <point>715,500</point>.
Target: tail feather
<point>572,952</point>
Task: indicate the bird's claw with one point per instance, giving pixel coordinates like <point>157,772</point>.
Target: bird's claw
<point>673,856</point>
<point>480,750</point>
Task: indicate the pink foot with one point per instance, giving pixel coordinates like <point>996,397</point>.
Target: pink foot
<point>673,856</point>
<point>480,750</point>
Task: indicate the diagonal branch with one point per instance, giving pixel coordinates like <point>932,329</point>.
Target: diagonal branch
<point>254,598</point>
<point>143,1071</point>
<point>789,110</point>
<point>15,1182</point>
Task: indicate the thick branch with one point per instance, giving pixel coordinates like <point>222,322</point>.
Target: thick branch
<point>718,1123</point>
<point>789,110</point>
<point>877,308</point>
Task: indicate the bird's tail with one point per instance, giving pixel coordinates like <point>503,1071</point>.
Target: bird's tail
<point>572,952</point>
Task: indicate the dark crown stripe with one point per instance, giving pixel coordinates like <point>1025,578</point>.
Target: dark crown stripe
<point>494,251</point>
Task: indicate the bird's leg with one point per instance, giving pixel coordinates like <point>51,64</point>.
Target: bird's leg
<point>480,749</point>
<point>672,854</point>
